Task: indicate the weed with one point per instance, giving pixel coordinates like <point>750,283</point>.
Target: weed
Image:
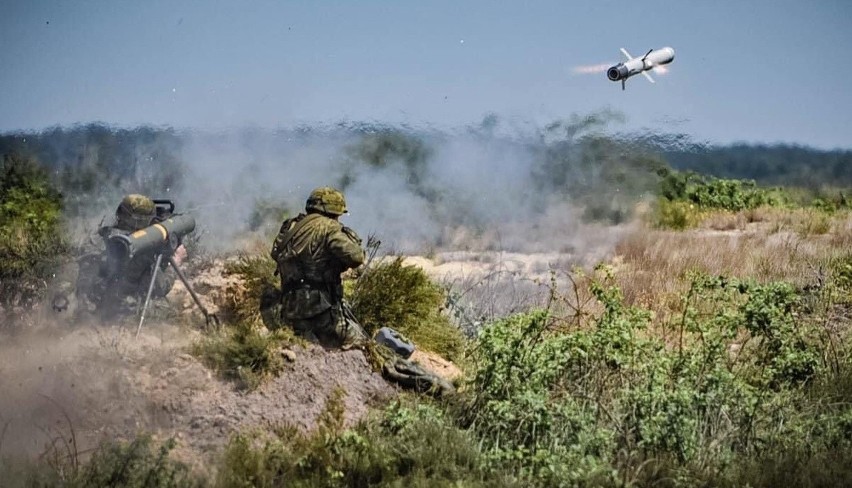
<point>678,215</point>
<point>140,463</point>
<point>137,464</point>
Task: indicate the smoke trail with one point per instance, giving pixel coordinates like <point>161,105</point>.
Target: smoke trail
<point>591,69</point>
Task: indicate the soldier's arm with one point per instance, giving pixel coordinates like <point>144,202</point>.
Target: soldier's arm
<point>345,245</point>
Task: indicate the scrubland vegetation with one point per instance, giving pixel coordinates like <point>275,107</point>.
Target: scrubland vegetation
<point>712,350</point>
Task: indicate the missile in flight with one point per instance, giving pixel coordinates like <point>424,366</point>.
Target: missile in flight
<point>633,66</point>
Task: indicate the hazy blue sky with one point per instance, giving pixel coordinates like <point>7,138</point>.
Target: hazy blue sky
<point>766,71</point>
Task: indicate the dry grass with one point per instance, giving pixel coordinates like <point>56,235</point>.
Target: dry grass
<point>793,246</point>
<point>724,220</point>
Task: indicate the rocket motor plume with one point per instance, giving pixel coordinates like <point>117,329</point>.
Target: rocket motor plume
<point>591,69</point>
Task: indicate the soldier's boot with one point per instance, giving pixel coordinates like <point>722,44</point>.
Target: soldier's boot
<point>270,309</point>
<point>351,333</point>
<point>409,374</point>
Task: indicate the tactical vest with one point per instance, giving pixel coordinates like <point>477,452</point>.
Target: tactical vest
<point>296,252</point>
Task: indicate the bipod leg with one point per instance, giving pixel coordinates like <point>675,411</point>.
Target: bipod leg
<point>208,317</point>
<point>150,290</point>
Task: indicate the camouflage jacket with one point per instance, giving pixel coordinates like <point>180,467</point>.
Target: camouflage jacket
<point>312,250</point>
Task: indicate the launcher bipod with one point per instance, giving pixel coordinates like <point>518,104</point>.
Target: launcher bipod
<point>208,317</point>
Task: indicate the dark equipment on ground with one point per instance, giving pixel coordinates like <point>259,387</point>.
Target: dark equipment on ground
<point>395,341</point>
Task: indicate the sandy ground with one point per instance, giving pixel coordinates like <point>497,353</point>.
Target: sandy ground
<point>88,384</point>
<point>71,387</point>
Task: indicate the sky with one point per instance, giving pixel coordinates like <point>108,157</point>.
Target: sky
<point>760,71</point>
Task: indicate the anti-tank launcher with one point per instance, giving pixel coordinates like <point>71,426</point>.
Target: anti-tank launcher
<point>161,238</point>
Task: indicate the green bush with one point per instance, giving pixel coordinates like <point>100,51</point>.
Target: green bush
<point>140,463</point>
<point>32,243</point>
<point>137,464</point>
<point>707,192</point>
<point>611,404</point>
<point>257,284</point>
<point>267,213</point>
<point>406,445</point>
<point>390,148</point>
<point>403,297</point>
<point>678,215</point>
<point>244,352</point>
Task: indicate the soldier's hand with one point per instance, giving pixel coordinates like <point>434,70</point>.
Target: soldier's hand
<point>180,254</point>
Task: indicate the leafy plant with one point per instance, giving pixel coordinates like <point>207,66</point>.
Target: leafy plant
<point>32,243</point>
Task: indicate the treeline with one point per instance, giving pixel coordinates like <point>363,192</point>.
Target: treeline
<point>769,165</point>
<point>93,164</point>
<point>572,159</point>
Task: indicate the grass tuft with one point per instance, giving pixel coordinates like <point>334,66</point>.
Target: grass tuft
<point>244,352</point>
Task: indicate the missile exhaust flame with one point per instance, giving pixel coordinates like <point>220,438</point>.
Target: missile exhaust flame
<point>591,69</point>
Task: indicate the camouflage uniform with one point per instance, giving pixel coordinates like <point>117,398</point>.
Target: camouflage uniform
<point>113,291</point>
<point>312,250</point>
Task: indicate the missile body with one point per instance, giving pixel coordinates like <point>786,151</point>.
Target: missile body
<point>634,66</point>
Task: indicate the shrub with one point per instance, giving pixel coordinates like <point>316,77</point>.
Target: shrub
<point>243,349</point>
<point>140,463</point>
<point>707,192</point>
<point>32,243</point>
<point>409,444</point>
<point>611,404</point>
<point>257,283</point>
<point>267,213</point>
<point>403,297</point>
<point>137,464</point>
<point>678,215</point>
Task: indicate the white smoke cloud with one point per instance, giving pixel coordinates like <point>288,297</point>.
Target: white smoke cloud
<point>476,191</point>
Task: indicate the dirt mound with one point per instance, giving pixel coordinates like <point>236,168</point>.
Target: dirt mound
<point>91,384</point>
<point>68,388</point>
<point>205,412</point>
<point>210,284</point>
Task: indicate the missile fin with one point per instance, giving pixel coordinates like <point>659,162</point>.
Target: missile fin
<point>648,77</point>
<point>624,52</point>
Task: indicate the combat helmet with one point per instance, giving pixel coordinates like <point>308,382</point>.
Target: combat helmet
<point>326,200</point>
<point>134,212</point>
